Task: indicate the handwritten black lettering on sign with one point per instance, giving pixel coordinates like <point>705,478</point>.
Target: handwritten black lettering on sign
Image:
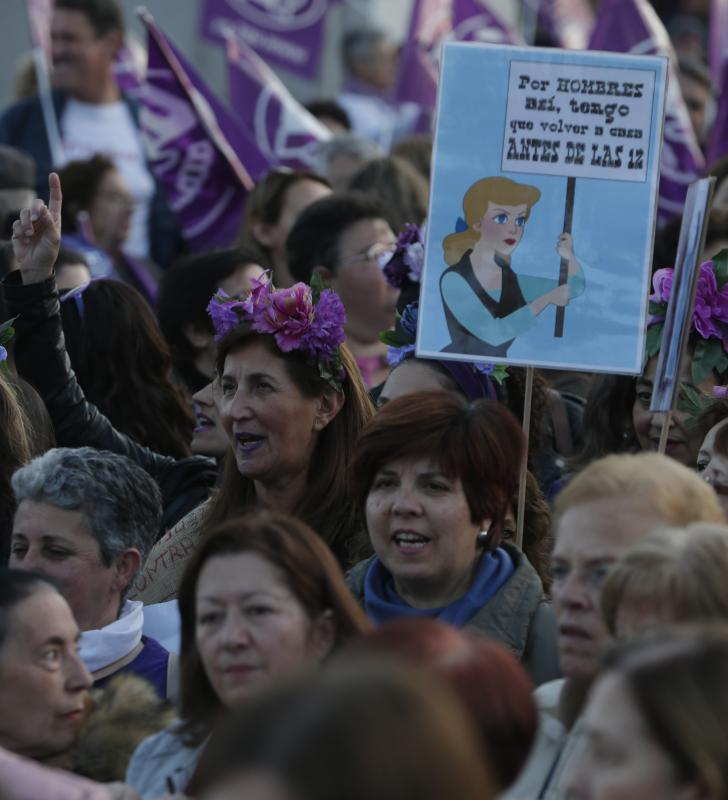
<point>578,121</point>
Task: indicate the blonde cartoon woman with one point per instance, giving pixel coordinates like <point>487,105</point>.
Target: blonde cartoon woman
<point>486,304</point>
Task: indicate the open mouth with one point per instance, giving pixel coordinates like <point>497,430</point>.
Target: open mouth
<point>409,541</point>
<point>248,442</point>
<point>204,423</point>
<point>510,242</point>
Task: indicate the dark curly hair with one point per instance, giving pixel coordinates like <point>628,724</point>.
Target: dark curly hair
<point>124,367</point>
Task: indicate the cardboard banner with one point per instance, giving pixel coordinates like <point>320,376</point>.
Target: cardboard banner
<point>286,34</point>
<point>543,197</point>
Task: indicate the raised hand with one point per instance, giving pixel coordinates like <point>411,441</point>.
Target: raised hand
<point>37,235</point>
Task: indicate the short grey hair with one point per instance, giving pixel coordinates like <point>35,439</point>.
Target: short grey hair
<point>121,502</point>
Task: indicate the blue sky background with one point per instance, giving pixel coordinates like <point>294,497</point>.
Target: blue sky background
<point>612,226</point>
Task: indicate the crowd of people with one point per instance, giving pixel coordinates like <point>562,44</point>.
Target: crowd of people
<point>253,546</point>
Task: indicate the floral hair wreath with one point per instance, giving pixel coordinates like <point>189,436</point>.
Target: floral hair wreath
<point>306,318</point>
<point>710,316</point>
<point>402,270</point>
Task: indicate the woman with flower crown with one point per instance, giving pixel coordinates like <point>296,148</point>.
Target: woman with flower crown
<point>617,417</point>
<point>292,404</point>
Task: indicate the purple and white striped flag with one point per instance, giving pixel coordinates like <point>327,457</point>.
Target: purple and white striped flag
<point>194,146</point>
<point>283,130</point>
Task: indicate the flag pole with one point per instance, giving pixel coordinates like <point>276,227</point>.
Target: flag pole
<point>50,121</point>
<point>521,511</point>
<point>564,268</point>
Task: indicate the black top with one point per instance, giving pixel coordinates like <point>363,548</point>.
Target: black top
<point>511,299</point>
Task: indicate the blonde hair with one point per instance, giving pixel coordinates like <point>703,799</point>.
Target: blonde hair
<point>680,571</point>
<point>475,204</point>
<point>660,484</point>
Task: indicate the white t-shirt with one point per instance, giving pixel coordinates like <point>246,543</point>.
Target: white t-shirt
<point>109,129</point>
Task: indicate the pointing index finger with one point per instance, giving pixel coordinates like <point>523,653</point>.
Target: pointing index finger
<point>55,199</point>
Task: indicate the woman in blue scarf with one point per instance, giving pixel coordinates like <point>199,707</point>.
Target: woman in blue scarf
<point>435,475</point>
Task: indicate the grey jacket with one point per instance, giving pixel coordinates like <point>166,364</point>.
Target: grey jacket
<point>162,764</point>
<point>518,616</point>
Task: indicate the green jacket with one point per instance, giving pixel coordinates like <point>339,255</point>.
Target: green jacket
<point>518,616</point>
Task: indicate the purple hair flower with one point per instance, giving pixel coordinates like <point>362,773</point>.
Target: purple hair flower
<point>3,354</point>
<point>405,265</point>
<point>396,355</point>
<point>292,317</point>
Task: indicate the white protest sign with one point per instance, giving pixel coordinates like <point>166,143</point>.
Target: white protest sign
<point>578,121</point>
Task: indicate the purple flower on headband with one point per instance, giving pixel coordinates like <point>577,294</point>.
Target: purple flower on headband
<point>483,367</point>
<point>3,354</point>
<point>327,332</point>
<point>405,265</point>
<point>222,313</point>
<point>711,303</point>
<point>662,285</point>
<point>287,314</point>
<point>396,355</point>
<point>408,320</point>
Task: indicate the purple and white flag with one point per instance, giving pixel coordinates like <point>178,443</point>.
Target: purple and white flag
<point>718,145</point>
<point>192,142</point>
<point>475,21</point>
<point>284,131</point>
<point>430,24</point>
<point>287,33</point>
<point>632,26</point>
<point>718,44</point>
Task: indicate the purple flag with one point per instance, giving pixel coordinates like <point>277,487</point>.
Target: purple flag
<point>192,142</point>
<point>287,34</point>
<point>474,21</point>
<point>719,135</point>
<point>417,78</point>
<point>632,26</point>
<point>284,131</point>
<point>718,40</point>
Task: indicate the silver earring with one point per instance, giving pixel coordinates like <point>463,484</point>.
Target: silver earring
<point>482,538</point>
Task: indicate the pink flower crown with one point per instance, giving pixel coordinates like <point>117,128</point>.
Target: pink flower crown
<point>306,318</point>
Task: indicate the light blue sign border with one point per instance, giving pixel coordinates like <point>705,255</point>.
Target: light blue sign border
<point>613,221</point>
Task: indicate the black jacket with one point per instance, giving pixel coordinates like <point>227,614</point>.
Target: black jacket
<point>41,358</point>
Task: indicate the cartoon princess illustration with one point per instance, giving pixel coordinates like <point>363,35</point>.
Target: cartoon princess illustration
<point>487,305</point>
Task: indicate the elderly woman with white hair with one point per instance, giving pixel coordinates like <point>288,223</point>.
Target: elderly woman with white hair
<point>88,518</point>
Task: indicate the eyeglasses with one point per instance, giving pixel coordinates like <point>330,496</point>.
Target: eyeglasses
<point>379,253</point>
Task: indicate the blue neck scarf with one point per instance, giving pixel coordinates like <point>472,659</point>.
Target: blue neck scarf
<point>382,602</point>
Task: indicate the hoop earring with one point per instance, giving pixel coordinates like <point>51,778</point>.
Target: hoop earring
<point>482,538</point>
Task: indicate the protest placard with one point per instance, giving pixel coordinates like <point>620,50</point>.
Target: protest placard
<point>543,197</point>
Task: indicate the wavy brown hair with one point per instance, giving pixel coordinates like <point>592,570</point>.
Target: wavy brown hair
<point>309,569</point>
<point>327,506</point>
<point>123,364</point>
